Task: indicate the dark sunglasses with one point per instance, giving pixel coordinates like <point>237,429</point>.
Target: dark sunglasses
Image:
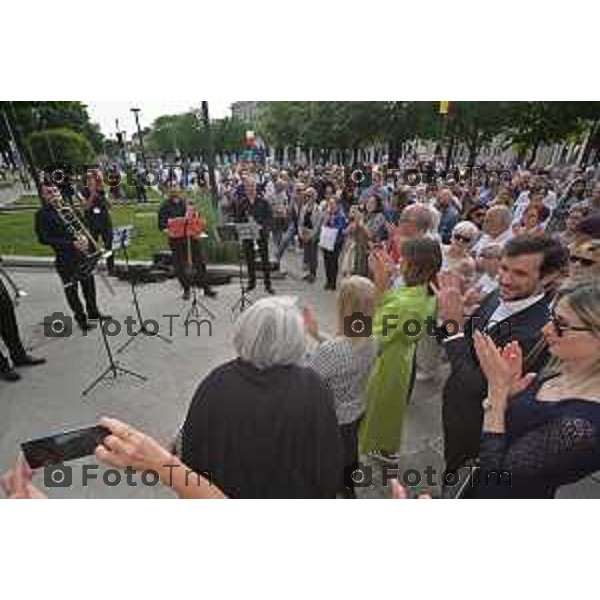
<point>461,238</point>
<point>560,326</point>
<point>585,262</point>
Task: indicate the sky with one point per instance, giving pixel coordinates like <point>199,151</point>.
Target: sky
<point>104,113</point>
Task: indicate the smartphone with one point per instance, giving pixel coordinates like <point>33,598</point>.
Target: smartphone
<point>68,445</point>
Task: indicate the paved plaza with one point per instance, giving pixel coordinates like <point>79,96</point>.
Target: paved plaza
<point>48,399</point>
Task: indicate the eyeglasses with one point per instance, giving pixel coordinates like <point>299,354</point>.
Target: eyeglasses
<point>584,262</point>
<point>461,238</point>
<point>560,326</point>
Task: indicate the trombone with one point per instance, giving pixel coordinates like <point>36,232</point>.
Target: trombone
<point>76,228</point>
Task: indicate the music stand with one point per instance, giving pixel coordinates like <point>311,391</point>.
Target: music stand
<point>113,368</point>
<point>240,232</point>
<point>122,238</point>
<point>195,304</point>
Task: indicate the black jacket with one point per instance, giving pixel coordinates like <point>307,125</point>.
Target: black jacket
<point>51,231</point>
<point>269,433</point>
<point>97,217</point>
<point>170,210</point>
<point>260,210</point>
<point>466,386</point>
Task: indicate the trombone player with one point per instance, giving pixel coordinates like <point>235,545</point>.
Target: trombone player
<point>9,332</point>
<point>73,249</point>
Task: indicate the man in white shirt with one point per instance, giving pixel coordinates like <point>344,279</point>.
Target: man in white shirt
<point>517,311</point>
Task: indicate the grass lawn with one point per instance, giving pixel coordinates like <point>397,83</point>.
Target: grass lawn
<point>17,235</point>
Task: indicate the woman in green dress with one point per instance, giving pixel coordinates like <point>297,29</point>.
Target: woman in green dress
<point>399,322</point>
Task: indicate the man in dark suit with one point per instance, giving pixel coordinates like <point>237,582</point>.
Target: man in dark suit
<point>250,205</point>
<point>517,311</point>
<point>9,333</point>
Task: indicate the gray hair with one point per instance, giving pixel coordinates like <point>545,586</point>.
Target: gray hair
<point>418,214</point>
<point>467,229</point>
<point>271,332</point>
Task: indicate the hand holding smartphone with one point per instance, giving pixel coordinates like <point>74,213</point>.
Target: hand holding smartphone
<point>65,446</point>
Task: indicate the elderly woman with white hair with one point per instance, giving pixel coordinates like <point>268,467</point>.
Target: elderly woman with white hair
<point>262,425</point>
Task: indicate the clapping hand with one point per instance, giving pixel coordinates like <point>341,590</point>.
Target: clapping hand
<point>473,297</point>
<point>503,368</point>
<point>310,322</point>
<point>450,300</point>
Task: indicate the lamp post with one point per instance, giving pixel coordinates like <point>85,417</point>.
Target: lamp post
<point>136,112</point>
<point>211,154</point>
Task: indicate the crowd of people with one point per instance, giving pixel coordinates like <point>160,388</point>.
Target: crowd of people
<point>505,269</point>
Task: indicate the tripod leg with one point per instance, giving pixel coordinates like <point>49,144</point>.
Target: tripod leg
<point>132,373</point>
<point>97,381</point>
<point>127,343</point>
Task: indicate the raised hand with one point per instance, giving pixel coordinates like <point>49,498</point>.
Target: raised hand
<point>310,322</point>
<point>450,299</point>
<point>503,368</point>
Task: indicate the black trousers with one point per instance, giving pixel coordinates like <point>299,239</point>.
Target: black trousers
<point>9,330</point>
<point>349,433</point>
<point>250,256</point>
<point>331,260</point>
<point>311,256</point>
<point>67,271</point>
<point>197,276</point>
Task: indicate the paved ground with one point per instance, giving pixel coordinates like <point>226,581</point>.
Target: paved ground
<point>48,399</point>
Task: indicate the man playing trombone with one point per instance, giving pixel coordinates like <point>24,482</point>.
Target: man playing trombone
<point>60,227</point>
<point>9,332</point>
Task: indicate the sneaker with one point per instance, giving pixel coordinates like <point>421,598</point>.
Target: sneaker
<point>210,293</point>
<point>251,286</point>
<point>186,295</point>
<point>269,290</point>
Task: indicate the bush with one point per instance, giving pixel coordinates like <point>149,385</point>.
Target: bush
<point>60,146</point>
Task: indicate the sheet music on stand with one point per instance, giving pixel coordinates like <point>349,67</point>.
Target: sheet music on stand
<point>122,237</point>
<point>247,231</point>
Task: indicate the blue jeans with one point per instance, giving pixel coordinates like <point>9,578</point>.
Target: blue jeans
<point>286,240</point>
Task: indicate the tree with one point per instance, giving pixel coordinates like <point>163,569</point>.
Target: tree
<point>35,116</point>
<point>61,146</point>
<point>474,124</point>
<point>535,123</point>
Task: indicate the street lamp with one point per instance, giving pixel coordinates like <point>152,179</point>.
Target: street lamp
<point>136,112</point>
<point>211,154</point>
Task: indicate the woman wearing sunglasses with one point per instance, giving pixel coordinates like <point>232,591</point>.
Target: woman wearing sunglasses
<point>585,260</point>
<point>544,432</point>
<point>464,236</point>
